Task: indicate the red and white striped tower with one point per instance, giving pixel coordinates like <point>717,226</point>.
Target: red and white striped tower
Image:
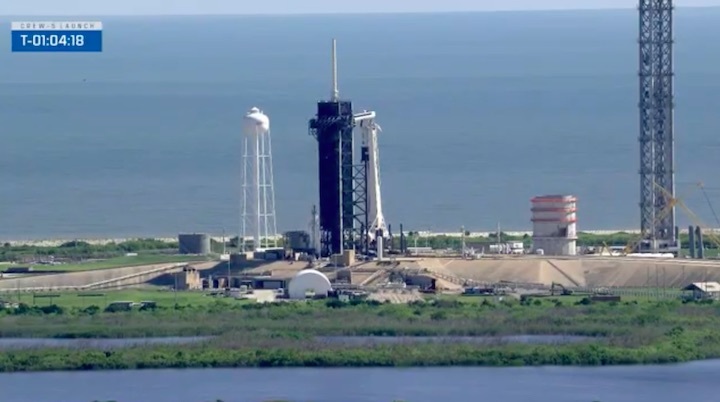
<point>554,224</point>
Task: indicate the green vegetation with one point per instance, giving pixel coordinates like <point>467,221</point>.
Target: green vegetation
<point>141,259</point>
<point>78,250</point>
<point>164,298</point>
<point>82,256</point>
<point>284,334</point>
<point>619,239</point>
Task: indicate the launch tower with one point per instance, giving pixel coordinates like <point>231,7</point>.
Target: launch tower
<point>333,129</point>
<point>657,159</point>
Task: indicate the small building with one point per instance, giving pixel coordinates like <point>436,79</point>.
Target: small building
<point>148,304</point>
<point>703,290</point>
<point>299,241</point>
<point>8,305</point>
<point>19,270</point>
<point>269,282</point>
<point>424,282</point>
<point>264,280</point>
<point>120,306</point>
<point>309,282</point>
<point>190,279</point>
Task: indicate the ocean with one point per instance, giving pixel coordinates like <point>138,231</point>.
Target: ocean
<point>480,112</point>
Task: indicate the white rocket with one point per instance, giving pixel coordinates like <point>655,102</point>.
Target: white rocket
<point>369,130</point>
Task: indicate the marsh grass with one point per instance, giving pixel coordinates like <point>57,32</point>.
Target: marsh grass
<point>284,334</point>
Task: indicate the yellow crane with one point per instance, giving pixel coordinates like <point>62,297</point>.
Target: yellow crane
<point>707,198</point>
<point>693,217</point>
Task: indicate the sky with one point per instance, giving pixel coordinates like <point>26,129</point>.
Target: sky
<point>194,7</point>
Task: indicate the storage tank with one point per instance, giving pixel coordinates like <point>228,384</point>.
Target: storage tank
<point>194,243</point>
<point>555,224</point>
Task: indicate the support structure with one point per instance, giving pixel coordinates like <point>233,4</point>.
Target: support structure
<point>333,129</point>
<point>258,208</point>
<point>350,202</point>
<point>361,201</point>
<point>656,104</point>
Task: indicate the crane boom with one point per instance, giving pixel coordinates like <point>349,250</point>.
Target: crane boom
<point>694,218</point>
<point>707,198</point>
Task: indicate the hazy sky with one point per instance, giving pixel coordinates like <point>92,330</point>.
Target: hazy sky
<point>135,7</point>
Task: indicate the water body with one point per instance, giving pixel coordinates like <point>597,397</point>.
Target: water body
<point>102,343</point>
<point>483,340</point>
<point>457,384</point>
<point>480,112</point>
<point>26,343</point>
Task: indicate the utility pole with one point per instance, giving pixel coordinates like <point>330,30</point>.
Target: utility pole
<point>314,230</point>
<point>229,285</point>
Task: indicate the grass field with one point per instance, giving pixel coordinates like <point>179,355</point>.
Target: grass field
<point>168,298</point>
<point>709,252</point>
<point>142,259</point>
<point>163,298</point>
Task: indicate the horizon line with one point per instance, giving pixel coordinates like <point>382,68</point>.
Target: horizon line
<point>269,14</point>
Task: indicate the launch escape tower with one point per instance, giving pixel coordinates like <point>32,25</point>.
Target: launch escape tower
<point>333,129</point>
<point>657,175</point>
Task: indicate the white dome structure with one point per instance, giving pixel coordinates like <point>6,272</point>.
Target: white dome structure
<point>308,280</point>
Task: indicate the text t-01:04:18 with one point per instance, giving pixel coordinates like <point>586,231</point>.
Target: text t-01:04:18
<point>52,40</point>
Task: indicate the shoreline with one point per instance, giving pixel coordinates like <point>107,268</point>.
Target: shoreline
<point>103,240</point>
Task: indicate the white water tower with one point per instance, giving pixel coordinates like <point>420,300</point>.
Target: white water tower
<point>258,207</point>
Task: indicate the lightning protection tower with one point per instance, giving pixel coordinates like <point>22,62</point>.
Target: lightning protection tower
<point>258,207</point>
<point>333,129</point>
<point>657,159</point>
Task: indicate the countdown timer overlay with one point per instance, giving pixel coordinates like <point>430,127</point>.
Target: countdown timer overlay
<point>56,36</point>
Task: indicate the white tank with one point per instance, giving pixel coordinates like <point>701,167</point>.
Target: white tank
<point>256,122</point>
<point>554,219</point>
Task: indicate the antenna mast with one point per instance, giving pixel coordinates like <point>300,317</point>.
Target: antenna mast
<point>335,93</point>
